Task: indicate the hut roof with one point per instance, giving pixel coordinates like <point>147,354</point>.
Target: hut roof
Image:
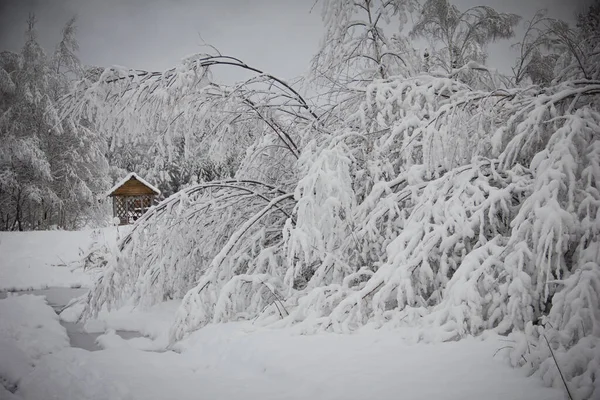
<point>129,177</point>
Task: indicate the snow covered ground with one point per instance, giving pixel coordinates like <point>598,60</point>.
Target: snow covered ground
<point>41,259</point>
<point>227,361</point>
<point>237,361</point>
<point>29,329</point>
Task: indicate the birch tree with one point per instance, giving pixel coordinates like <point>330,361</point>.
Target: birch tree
<point>427,202</point>
<point>460,37</point>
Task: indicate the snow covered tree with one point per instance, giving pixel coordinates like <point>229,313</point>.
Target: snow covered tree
<point>363,41</point>
<point>427,201</point>
<point>50,167</point>
<point>535,60</point>
<point>356,47</point>
<point>460,37</point>
<point>181,120</point>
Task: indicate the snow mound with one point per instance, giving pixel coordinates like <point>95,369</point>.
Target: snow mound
<point>29,329</point>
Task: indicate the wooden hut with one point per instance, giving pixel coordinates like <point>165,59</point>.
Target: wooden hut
<point>132,196</point>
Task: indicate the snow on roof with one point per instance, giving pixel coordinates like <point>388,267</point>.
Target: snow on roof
<point>128,177</point>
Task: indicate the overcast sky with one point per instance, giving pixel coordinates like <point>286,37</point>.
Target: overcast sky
<point>279,36</point>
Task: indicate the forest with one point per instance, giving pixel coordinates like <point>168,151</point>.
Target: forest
<point>393,186</point>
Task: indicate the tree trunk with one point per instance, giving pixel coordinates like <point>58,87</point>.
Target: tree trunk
<point>19,212</point>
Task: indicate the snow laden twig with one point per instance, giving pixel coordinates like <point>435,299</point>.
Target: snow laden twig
<point>558,368</point>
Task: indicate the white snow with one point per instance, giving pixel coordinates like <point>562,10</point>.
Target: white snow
<point>371,364</point>
<point>29,329</point>
<point>232,360</point>
<point>128,177</point>
<point>238,360</point>
<point>42,259</point>
<point>153,322</point>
